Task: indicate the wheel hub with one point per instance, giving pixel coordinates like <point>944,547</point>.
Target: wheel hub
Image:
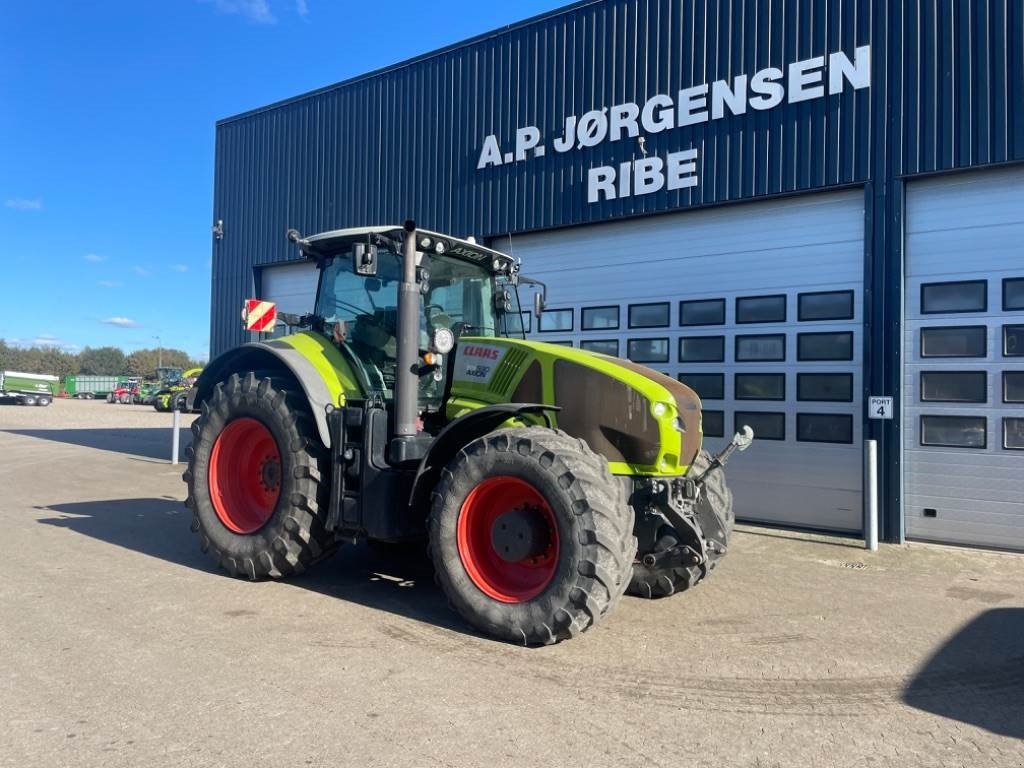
<point>270,473</point>
<point>520,534</point>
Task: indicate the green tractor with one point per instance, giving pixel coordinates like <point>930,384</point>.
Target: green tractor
<point>546,480</point>
<point>173,394</point>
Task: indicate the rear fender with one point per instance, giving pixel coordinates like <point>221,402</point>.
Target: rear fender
<point>463,431</point>
<point>269,358</point>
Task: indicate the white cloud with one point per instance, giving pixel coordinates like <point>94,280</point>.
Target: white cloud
<point>141,272</point>
<point>45,340</point>
<point>108,284</point>
<point>95,258</point>
<point>256,11</point>
<point>121,322</point>
<point>302,8</point>
<point>179,268</point>
<point>24,204</point>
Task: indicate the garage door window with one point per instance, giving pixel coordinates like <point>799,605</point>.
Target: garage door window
<point>1013,340</point>
<point>825,387</point>
<point>947,298</point>
<point>954,386</point>
<point>648,350</point>
<point>824,428</point>
<point>825,305</point>
<point>553,320</point>
<point>713,423</point>
<point>964,341</point>
<point>825,346</point>
<point>702,349</point>
<point>766,426</point>
<point>649,315</point>
<point>703,312</point>
<point>769,347</point>
<point>599,318</point>
<point>1013,294</point>
<point>708,386</point>
<point>1013,434</point>
<point>517,323</point>
<point>761,309</point>
<point>760,386</point>
<point>954,431</point>
<point>1013,386</point>
<point>603,346</point>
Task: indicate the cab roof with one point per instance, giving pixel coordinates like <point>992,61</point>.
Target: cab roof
<point>327,243</point>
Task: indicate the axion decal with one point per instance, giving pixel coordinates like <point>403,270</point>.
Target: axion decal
<point>806,80</point>
<point>476,363</point>
<point>259,315</point>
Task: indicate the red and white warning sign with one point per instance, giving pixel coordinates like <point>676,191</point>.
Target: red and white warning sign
<point>259,315</point>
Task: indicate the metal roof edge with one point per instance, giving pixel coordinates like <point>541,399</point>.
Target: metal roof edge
<point>410,62</point>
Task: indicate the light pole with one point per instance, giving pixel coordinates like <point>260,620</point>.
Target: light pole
<point>159,353</point>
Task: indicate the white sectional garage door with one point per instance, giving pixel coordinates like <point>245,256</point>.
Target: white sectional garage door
<point>759,308</point>
<point>292,286</point>
<point>964,353</point>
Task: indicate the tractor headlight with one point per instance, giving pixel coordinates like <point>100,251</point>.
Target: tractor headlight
<point>659,410</point>
<point>444,340</point>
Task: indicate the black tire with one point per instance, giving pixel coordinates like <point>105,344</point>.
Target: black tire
<point>178,401</point>
<point>655,534</point>
<point>294,537</point>
<point>595,544</point>
<point>43,401</point>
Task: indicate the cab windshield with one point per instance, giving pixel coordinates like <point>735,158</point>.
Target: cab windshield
<point>361,313</point>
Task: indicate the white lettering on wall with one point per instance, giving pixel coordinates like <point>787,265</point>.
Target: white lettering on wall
<point>642,177</point>
<point>768,88</point>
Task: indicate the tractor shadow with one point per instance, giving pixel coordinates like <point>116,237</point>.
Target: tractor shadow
<point>977,675</point>
<point>397,579</point>
<point>145,442</point>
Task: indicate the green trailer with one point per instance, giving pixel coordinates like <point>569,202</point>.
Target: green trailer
<point>27,388</point>
<point>87,387</point>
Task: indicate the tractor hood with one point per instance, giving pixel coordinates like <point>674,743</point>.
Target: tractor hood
<point>640,420</point>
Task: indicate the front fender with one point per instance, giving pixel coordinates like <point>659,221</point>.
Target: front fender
<point>462,431</point>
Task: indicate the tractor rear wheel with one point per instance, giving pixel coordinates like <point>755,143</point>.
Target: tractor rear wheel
<point>656,535</point>
<point>257,484</point>
<point>529,535</point>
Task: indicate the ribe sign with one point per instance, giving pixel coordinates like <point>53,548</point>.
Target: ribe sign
<point>768,88</point>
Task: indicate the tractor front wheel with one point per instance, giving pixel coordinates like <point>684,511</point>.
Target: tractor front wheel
<point>256,480</point>
<point>530,537</point>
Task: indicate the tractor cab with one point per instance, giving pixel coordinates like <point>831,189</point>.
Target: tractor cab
<point>464,289</point>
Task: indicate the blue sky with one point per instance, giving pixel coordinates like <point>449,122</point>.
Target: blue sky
<point>107,115</point>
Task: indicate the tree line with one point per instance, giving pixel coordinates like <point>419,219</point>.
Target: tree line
<point>102,361</point>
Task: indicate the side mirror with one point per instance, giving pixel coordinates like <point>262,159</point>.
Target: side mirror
<point>538,304</point>
<point>364,259</point>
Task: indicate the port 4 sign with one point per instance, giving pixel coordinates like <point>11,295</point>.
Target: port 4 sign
<point>879,407</point>
<point>259,315</point>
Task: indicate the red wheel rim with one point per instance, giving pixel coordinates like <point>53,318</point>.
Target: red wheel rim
<point>508,582</point>
<point>245,475</point>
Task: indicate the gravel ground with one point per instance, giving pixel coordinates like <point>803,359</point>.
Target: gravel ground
<point>122,646</point>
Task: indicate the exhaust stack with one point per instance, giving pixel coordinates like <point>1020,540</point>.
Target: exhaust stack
<point>406,378</point>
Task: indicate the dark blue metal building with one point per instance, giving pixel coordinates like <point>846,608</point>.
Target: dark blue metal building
<point>803,150</point>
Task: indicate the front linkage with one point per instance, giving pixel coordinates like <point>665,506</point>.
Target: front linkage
<point>683,525</point>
